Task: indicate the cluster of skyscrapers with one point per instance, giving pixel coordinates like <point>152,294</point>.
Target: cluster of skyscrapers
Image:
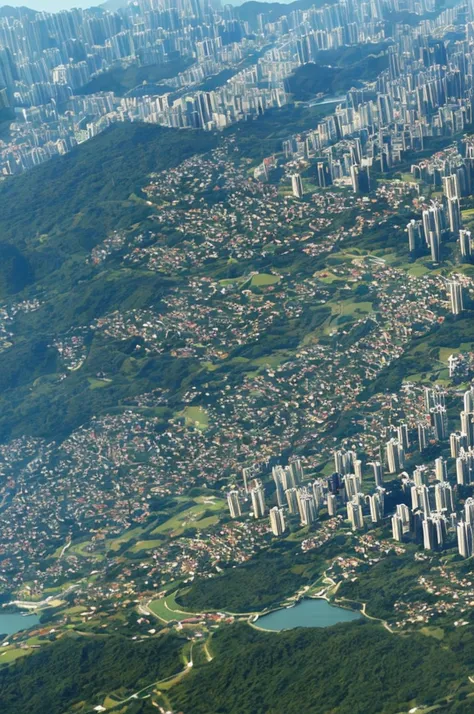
<point>433,514</point>
<point>428,511</point>
<point>441,220</point>
<point>304,500</point>
<point>45,60</point>
<point>426,90</point>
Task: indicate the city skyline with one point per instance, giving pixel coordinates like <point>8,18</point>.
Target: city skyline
<point>53,6</point>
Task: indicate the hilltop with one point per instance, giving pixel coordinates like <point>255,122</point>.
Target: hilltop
<point>66,206</point>
<point>51,219</point>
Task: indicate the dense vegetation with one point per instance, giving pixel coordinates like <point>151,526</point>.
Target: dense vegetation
<point>264,581</point>
<point>50,218</point>
<point>346,56</point>
<point>85,669</point>
<point>217,80</point>
<point>356,668</point>
<point>393,579</point>
<point>263,136</point>
<point>423,354</point>
<point>260,583</point>
<point>69,204</point>
<point>350,669</point>
<point>55,408</point>
<point>121,80</point>
<point>315,78</point>
<point>6,117</point>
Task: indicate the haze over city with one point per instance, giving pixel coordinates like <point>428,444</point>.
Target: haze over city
<point>55,5</point>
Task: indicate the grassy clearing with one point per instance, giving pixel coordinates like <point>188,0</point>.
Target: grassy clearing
<point>417,377</point>
<point>436,632</point>
<point>10,655</point>
<point>349,307</point>
<point>263,279</point>
<point>58,551</point>
<point>342,257</point>
<point>209,366</point>
<point>80,549</point>
<point>388,257</point>
<point>328,468</point>
<point>409,178</point>
<point>146,545</point>
<point>417,270</point>
<point>196,416</point>
<point>165,686</point>
<point>74,610</point>
<point>167,609</point>
<point>326,276</point>
<point>273,360</point>
<point>212,502</point>
<point>191,517</point>
<point>109,702</point>
<point>34,641</point>
<point>445,352</point>
<point>126,537</point>
<point>232,281</point>
<point>207,522</point>
<point>98,383</point>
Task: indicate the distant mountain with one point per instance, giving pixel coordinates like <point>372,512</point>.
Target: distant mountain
<point>249,11</point>
<point>114,5</point>
<point>9,11</point>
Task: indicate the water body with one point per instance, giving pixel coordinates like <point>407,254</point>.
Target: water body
<point>15,621</point>
<point>307,613</point>
<point>327,100</point>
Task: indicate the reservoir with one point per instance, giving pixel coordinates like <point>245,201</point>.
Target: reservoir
<point>326,100</point>
<point>15,621</point>
<point>307,613</point>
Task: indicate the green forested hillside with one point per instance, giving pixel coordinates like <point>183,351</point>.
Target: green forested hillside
<point>50,219</point>
<point>264,581</point>
<point>69,204</point>
<point>120,80</point>
<point>314,78</point>
<point>85,669</point>
<point>263,136</point>
<point>346,56</point>
<point>352,669</point>
<point>356,668</point>
<point>423,355</point>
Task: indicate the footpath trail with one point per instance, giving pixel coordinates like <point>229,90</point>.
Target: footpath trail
<point>378,619</point>
<point>366,614</point>
<point>148,690</point>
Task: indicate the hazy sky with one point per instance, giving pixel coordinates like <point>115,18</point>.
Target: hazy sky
<point>51,5</point>
<point>55,5</point>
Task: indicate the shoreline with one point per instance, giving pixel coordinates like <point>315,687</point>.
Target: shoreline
<point>335,604</point>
